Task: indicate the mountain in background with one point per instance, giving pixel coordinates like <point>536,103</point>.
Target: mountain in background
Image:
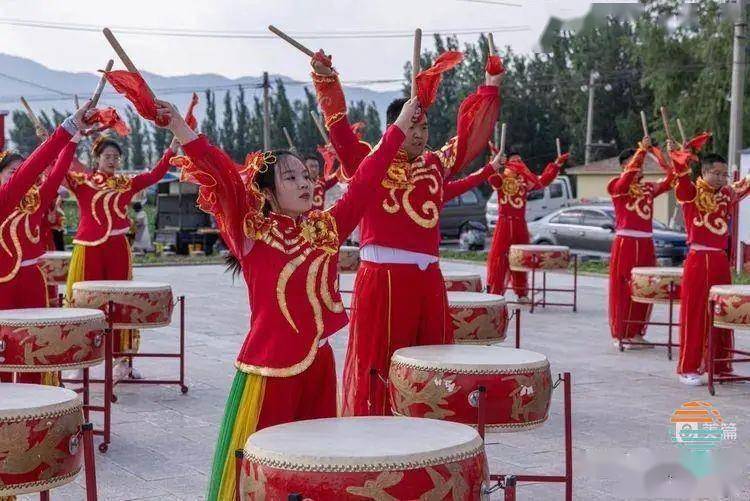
<point>46,89</point>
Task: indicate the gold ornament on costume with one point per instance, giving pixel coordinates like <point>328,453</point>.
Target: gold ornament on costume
<point>406,176</point>
<point>512,191</point>
<point>711,202</point>
<point>641,200</point>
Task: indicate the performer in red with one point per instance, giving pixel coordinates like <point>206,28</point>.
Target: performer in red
<point>513,185</point>
<point>22,202</point>
<point>707,205</point>
<point>322,182</point>
<point>288,256</point>
<point>633,245</point>
<point>399,294</point>
<point>101,249</point>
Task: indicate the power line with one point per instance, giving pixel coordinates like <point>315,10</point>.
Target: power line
<point>492,2</point>
<point>256,34</point>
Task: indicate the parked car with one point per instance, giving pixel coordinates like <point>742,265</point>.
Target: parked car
<point>539,202</point>
<point>458,212</point>
<point>592,228</point>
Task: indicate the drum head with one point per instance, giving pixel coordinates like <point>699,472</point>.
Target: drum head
<point>57,255</point>
<point>731,290</point>
<point>540,248</point>
<point>469,359</point>
<point>456,276</point>
<point>17,399</point>
<point>362,444</point>
<point>656,271</point>
<point>49,316</point>
<point>474,299</point>
<point>121,286</point>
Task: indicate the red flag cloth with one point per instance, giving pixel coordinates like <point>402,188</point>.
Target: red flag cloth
<point>135,89</point>
<point>109,119</point>
<point>697,143</point>
<point>190,115</point>
<point>429,80</point>
<point>495,65</point>
<point>330,159</point>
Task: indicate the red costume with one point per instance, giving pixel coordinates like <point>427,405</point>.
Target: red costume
<point>512,187</point>
<point>633,244</point>
<point>102,250</point>
<point>400,303</point>
<point>320,189</point>
<point>707,212</point>
<point>290,267</point>
<point>22,203</point>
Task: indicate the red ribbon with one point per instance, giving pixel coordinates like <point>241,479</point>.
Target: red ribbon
<point>135,90</point>
<point>190,115</point>
<point>429,80</point>
<point>108,118</point>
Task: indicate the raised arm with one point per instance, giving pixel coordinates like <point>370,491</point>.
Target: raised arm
<point>685,190</point>
<point>349,209</point>
<point>56,175</point>
<point>741,188</point>
<point>143,181</point>
<point>330,181</point>
<point>350,150</point>
<point>620,185</point>
<point>456,187</point>
<point>476,119</point>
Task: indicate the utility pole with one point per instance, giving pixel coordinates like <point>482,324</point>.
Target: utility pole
<point>266,113</point>
<point>590,118</point>
<point>739,62</point>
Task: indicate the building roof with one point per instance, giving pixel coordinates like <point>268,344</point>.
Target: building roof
<point>611,166</point>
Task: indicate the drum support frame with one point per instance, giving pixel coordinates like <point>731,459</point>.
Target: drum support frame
<point>670,324</point>
<point>89,464</point>
<point>109,383</point>
<point>508,482</point>
<point>534,291</point>
<point>712,376</point>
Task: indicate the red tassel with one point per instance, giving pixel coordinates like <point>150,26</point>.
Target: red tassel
<point>190,115</point>
<point>495,65</point>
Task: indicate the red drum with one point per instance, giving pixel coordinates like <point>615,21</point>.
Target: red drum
<point>539,257</point>
<point>652,284</point>
<point>50,339</point>
<point>348,259</point>
<point>359,458</point>
<point>731,306</point>
<point>456,281</point>
<point>55,265</point>
<point>136,304</point>
<point>478,318</point>
<point>441,382</point>
<point>40,437</point>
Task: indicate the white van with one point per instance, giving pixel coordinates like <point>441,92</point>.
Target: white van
<point>539,202</point>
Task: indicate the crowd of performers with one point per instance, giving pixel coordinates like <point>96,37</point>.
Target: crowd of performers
<point>269,213</point>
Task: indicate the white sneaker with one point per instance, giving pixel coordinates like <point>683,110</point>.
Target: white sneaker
<point>691,379</point>
<point>523,300</point>
<point>135,373</point>
<point>641,339</point>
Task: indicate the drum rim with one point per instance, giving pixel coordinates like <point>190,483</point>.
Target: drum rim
<point>496,300</point>
<point>670,271</point>
<point>44,411</point>
<point>281,461</point>
<point>726,290</point>
<point>83,364</point>
<point>40,485</point>
<point>91,315</point>
<point>145,286</point>
<point>454,276</point>
<point>499,427</point>
<point>540,248</point>
<point>458,368</point>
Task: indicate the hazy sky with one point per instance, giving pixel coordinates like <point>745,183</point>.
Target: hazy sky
<point>369,59</point>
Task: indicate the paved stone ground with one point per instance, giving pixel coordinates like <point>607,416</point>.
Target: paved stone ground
<point>163,441</point>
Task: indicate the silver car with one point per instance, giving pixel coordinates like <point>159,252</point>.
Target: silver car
<point>592,228</point>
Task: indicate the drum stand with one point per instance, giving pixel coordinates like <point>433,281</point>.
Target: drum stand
<point>508,482</point>
<point>535,292</point>
<point>712,376</point>
<point>89,465</point>
<point>109,383</point>
<point>669,324</point>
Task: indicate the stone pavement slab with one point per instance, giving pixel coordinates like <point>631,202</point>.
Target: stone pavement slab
<point>163,441</point>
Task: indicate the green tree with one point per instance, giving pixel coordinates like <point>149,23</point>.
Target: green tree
<point>242,131</point>
<point>23,134</point>
<point>282,115</point>
<point>137,140</point>
<point>227,132</point>
<point>209,125</point>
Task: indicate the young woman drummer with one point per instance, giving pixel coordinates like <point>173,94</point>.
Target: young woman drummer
<point>288,256</point>
<point>24,196</point>
<point>101,249</point>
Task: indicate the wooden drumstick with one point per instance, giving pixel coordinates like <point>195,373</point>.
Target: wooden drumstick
<point>41,132</point>
<point>491,44</point>
<point>415,60</point>
<point>101,84</point>
<point>644,123</point>
<point>665,120</point>
<point>289,139</point>
<point>682,131</point>
<point>76,102</point>
<point>319,125</point>
<point>559,148</point>
<point>291,41</point>
<point>502,138</point>
<point>122,54</point>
